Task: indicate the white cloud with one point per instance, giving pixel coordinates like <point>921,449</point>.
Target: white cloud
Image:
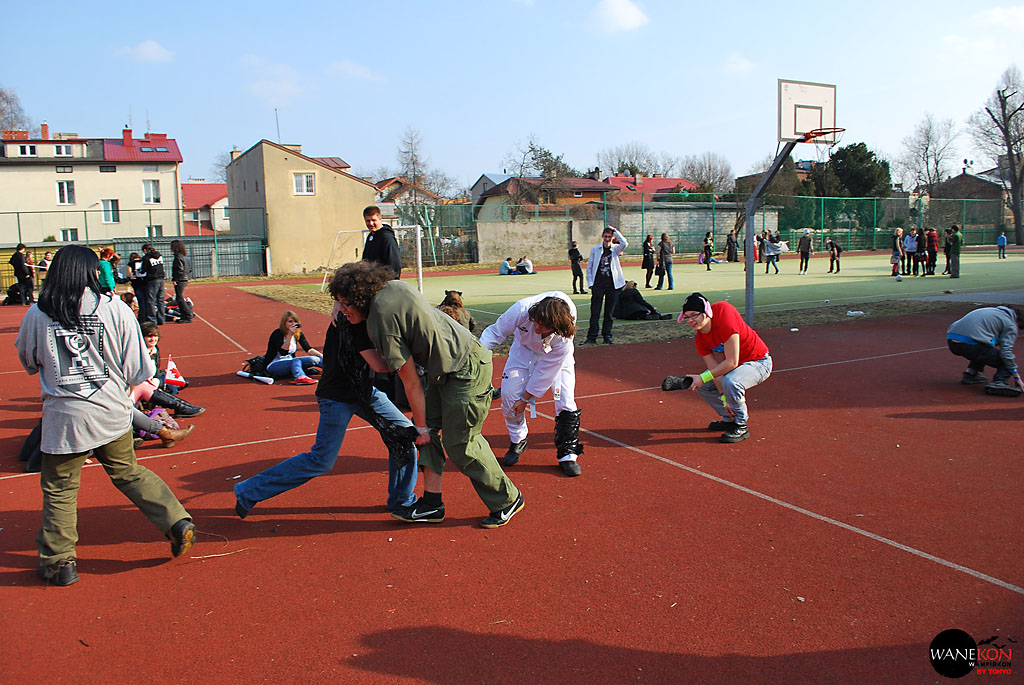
<point>278,84</point>
<point>618,15</point>
<point>737,64</point>
<point>146,51</point>
<point>1009,18</point>
<point>351,70</point>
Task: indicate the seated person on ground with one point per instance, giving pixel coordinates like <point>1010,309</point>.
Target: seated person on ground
<point>525,266</point>
<point>632,305</point>
<point>282,358</point>
<point>507,268</point>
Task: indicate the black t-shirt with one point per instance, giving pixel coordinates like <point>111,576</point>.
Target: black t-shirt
<point>603,277</point>
<point>334,385</point>
<point>153,266</point>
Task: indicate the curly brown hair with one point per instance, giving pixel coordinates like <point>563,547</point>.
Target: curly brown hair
<point>359,282</point>
<point>554,313</point>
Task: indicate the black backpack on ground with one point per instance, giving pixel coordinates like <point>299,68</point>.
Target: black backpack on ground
<point>30,450</point>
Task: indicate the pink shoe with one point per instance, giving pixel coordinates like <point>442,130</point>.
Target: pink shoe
<point>303,380</point>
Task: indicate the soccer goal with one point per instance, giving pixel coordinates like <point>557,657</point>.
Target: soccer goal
<point>341,241</point>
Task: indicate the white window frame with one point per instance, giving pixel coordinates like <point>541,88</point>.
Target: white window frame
<point>108,168</point>
<point>155,231</point>
<point>65,192</point>
<point>307,180</point>
<point>26,150</point>
<point>148,196</point>
<point>69,235</point>
<point>111,211</point>
<point>62,150</point>
<point>60,169</point>
<point>578,193</point>
<point>227,214</point>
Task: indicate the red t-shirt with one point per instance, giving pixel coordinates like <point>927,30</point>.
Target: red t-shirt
<point>725,321</point>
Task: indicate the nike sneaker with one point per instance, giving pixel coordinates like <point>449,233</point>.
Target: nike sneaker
<point>502,516</point>
<point>418,512</point>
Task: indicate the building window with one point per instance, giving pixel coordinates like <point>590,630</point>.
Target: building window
<point>65,192</point>
<point>577,194</point>
<point>227,214</point>
<point>62,150</point>
<point>111,212</point>
<point>145,149</point>
<point>161,149</point>
<point>195,215</point>
<point>69,235</point>
<point>27,150</point>
<point>155,231</point>
<point>151,192</point>
<point>305,184</point>
<point>107,168</point>
<point>63,170</point>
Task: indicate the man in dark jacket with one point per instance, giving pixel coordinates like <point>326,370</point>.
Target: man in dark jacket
<point>381,246</point>
<point>153,267</point>
<point>633,306</point>
<point>22,274</point>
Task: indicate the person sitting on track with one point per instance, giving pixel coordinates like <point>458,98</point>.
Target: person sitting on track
<point>986,337</point>
<point>406,330</point>
<point>633,307</point>
<point>87,349</point>
<point>345,390</point>
<point>541,358</point>
<point>282,360</point>
<point>736,359</point>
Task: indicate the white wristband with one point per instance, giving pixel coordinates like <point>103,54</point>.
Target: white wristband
<point>422,430</point>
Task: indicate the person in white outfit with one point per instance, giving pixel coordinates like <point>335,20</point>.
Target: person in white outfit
<point>541,358</point>
<point>605,279</point>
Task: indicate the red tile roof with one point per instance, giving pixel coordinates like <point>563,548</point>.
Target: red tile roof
<point>334,162</point>
<point>565,184</point>
<point>632,187</point>
<point>114,149</point>
<point>198,195</point>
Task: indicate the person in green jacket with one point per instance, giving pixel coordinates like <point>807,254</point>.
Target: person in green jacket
<point>106,270</point>
<point>956,241</point>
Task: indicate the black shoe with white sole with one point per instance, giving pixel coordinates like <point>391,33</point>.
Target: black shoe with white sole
<point>63,573</point>
<point>502,516</point>
<point>418,512</point>
<point>570,468</point>
<point>515,450</point>
<point>737,433</point>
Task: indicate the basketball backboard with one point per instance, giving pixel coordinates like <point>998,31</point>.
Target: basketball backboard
<point>804,107</point>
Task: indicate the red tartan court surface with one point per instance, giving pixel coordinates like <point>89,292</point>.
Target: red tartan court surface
<point>876,504</point>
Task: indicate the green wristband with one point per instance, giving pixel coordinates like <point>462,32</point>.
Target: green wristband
<point>707,376</point>
<point>722,397</point>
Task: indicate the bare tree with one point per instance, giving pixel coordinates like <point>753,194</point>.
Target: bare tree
<point>710,171</point>
<point>998,130</point>
<point>636,158</point>
<point>928,152</point>
<point>412,163</point>
<point>219,167</point>
<point>12,116</point>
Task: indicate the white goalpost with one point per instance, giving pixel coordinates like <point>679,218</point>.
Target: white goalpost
<point>338,237</point>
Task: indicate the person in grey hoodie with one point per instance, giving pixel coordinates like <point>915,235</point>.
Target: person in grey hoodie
<point>985,337</point>
<point>87,348</point>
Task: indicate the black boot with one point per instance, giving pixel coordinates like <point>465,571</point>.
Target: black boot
<point>567,440</point>
<point>182,409</point>
<point>515,449</point>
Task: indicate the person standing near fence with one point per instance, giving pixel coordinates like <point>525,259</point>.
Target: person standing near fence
<point>648,263</point>
<point>575,258</point>
<point>835,252</point>
<point>956,242</point>
<point>605,278</point>
<point>709,249</point>
<point>806,249</point>
<point>897,251</point>
<point>664,262</point>
<point>181,272</point>
<point>931,240</point>
<point>153,267</point>
<point>88,349</point>
<point>22,274</point>
<point>381,245</point>
<point>731,251</point>
<point>1001,246</point>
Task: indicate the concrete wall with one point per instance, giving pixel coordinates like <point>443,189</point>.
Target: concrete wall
<point>541,241</point>
<point>301,229</point>
<point>247,188</point>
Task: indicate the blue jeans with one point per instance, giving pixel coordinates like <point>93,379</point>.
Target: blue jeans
<point>734,386</point>
<point>661,278</point>
<point>292,368</point>
<point>330,432</point>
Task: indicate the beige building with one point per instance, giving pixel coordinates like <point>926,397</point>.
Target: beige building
<point>313,207</point>
<point>71,189</point>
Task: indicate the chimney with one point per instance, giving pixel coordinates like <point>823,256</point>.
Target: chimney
<point>127,137</point>
<point>235,152</point>
<point>44,131</point>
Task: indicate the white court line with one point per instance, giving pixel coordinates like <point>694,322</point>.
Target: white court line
<point>696,472</point>
<point>229,339</point>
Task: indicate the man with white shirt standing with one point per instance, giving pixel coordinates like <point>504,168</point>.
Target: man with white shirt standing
<point>605,279</point>
<point>541,358</point>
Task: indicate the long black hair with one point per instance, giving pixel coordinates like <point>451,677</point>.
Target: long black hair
<point>74,270</point>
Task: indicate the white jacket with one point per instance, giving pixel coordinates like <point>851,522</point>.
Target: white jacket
<point>548,355</point>
<point>618,278</point>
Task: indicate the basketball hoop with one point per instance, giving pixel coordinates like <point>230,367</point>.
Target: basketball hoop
<point>810,136</point>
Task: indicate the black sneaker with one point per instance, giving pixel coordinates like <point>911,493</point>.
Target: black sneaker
<point>502,516</point>
<point>183,536</point>
<point>589,341</point>
<point>721,425</point>
<point>515,450</point>
<point>241,511</point>
<point>496,393</point>
<point>737,433</point>
<point>973,378</point>
<point>676,383</point>
<point>63,573</point>
<point>418,512</point>
<point>570,468</point>
<point>1002,389</point>
<point>609,341</point>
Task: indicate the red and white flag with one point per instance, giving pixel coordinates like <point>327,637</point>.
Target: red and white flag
<point>173,376</point>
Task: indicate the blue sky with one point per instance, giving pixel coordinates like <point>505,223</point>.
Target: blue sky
<point>477,78</point>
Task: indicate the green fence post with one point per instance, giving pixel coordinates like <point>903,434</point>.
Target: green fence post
<point>963,216</point>
<point>822,218</point>
<point>874,213</point>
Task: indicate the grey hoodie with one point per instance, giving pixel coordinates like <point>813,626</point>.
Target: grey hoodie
<point>995,326</point>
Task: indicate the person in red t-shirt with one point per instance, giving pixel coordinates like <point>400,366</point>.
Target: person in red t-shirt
<point>736,359</point>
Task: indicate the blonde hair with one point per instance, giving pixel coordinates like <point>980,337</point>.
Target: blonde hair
<point>289,314</point>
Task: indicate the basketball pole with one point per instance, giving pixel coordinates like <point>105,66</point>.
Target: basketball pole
<point>787,150</point>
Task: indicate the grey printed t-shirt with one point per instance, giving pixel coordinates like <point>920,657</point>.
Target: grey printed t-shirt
<point>403,325</point>
<point>84,375</point>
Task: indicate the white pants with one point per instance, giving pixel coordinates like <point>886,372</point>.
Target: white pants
<point>513,382</point>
